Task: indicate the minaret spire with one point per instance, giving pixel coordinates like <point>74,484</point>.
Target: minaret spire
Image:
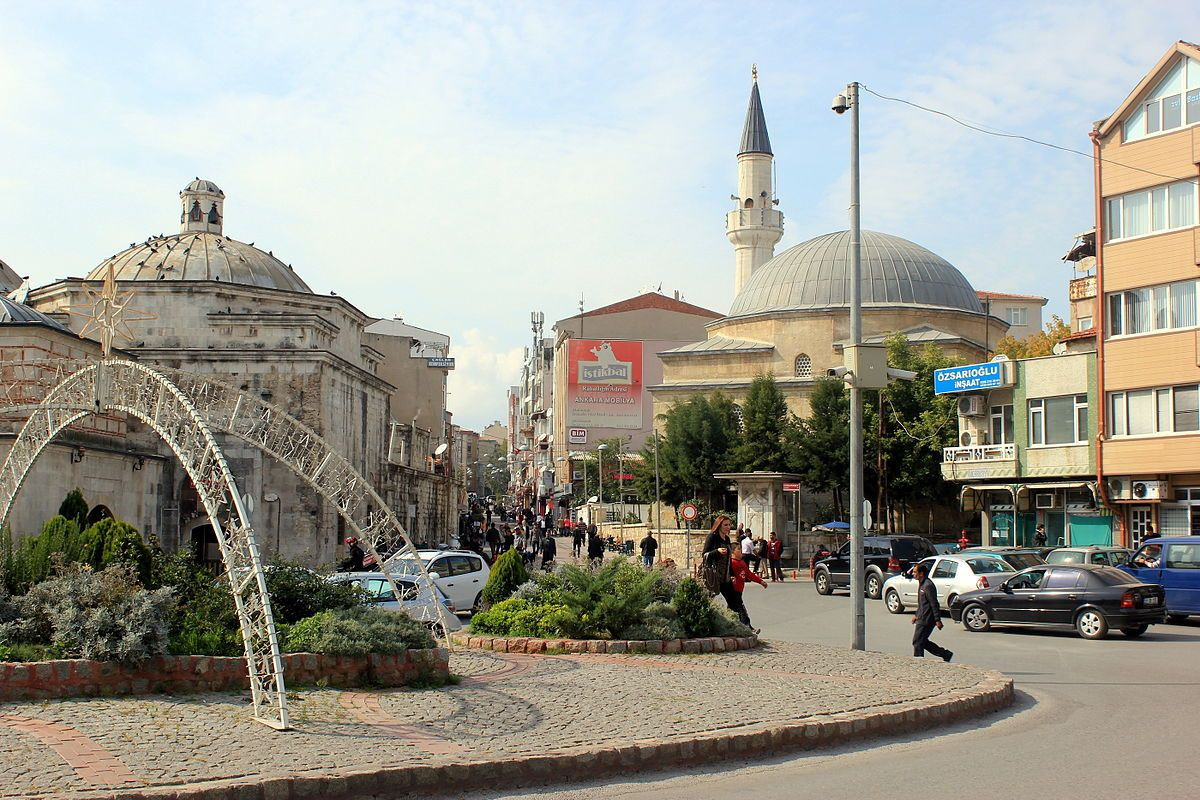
<point>755,226</point>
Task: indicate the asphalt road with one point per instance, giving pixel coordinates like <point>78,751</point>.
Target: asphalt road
<point>1117,718</point>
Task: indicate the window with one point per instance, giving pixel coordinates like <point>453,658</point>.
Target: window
<point>1143,412</point>
<point>1175,102</point>
<point>803,366</point>
<point>1058,420</point>
<point>945,569</point>
<point>1002,424</point>
<point>1028,580</point>
<point>1161,208</point>
<point>1166,307</point>
<point>1017,316</point>
<point>1183,556</point>
<point>1062,579</point>
<point>1085,324</point>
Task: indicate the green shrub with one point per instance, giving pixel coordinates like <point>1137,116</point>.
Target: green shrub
<point>727,623</point>
<point>666,581</point>
<point>106,616</point>
<point>297,593</point>
<point>205,620</point>
<point>74,507</point>
<point>518,617</point>
<point>693,608</point>
<point>508,572</point>
<point>101,545</point>
<point>541,589</point>
<point>356,631</point>
<point>659,621</point>
<point>607,600</point>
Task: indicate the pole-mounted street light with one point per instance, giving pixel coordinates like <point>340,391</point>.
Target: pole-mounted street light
<point>600,448</point>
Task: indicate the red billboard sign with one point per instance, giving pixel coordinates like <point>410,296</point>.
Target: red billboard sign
<point>604,384</point>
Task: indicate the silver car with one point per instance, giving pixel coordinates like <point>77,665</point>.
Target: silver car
<point>951,576</point>
<point>417,601</point>
<point>1104,556</point>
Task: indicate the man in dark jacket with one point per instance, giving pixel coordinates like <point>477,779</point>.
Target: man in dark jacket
<point>928,616</point>
<point>549,553</point>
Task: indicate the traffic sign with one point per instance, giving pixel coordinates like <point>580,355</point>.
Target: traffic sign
<point>791,487</point>
<point>689,512</point>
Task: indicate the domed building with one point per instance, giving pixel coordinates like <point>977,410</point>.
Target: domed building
<point>790,316</point>
<point>222,307</point>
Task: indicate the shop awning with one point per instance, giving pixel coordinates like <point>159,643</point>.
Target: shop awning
<point>1015,490</point>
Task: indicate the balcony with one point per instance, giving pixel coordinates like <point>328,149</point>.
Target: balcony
<point>1082,288</point>
<point>979,461</point>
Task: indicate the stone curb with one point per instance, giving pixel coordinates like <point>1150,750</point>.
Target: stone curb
<point>761,740</point>
<point>520,644</point>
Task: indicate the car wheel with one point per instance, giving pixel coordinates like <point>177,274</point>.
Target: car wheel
<point>975,618</point>
<point>874,586</point>
<point>1177,619</point>
<point>1091,624</point>
<point>822,582</point>
<point>1134,633</point>
<point>477,606</point>
<point>892,601</point>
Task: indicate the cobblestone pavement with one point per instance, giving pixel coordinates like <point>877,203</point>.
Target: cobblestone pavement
<point>507,706</point>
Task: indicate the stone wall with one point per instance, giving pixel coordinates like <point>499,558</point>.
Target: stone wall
<point>84,678</point>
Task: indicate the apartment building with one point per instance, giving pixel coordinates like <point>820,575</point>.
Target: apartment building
<point>1148,266</point>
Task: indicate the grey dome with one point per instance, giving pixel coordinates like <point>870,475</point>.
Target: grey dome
<point>9,279</point>
<point>200,256</point>
<point>201,185</point>
<point>814,275</point>
<point>14,313</point>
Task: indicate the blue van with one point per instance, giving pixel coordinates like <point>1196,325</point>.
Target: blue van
<point>1174,564</point>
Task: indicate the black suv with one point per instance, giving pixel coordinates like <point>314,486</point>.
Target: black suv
<point>884,557</point>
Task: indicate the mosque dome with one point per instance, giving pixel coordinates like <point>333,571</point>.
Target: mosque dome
<point>200,251</point>
<point>14,313</point>
<point>815,275</point>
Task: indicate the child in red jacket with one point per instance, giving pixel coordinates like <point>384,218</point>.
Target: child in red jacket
<point>739,573</point>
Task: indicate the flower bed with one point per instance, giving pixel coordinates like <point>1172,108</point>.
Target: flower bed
<point>531,646</point>
<point>86,678</point>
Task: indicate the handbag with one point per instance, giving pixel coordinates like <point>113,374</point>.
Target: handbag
<point>708,576</point>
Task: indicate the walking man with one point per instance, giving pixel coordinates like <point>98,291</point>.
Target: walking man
<point>928,616</point>
<point>1039,536</point>
<point>649,546</point>
<point>774,556</point>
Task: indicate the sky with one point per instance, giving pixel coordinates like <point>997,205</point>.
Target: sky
<point>462,164</point>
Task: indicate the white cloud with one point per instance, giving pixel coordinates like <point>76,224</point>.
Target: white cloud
<point>484,369</point>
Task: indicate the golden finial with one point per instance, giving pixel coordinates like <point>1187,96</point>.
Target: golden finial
<point>107,314</point>
<point>754,72</point>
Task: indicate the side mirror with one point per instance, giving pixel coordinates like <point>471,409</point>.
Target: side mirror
<point>434,575</point>
<point>1006,587</point>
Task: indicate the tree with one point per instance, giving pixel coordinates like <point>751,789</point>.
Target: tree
<point>1035,344</point>
<point>764,428</point>
<point>819,444</point>
<point>696,442</point>
<point>590,464</point>
<point>74,507</point>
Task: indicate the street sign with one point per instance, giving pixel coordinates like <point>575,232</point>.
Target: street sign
<point>440,363</point>
<point>791,487</point>
<point>689,512</point>
<point>970,378</point>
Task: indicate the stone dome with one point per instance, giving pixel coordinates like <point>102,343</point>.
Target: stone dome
<point>814,275</point>
<point>200,256</point>
<point>200,251</point>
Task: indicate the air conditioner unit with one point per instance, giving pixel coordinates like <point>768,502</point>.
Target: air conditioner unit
<point>1045,500</point>
<point>965,439</point>
<point>1119,489</point>
<point>972,405</point>
<point>1149,490</point>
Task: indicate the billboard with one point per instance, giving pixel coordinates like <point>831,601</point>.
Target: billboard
<point>604,384</point>
<point>970,378</point>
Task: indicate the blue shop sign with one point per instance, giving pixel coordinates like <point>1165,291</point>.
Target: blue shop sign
<point>970,378</point>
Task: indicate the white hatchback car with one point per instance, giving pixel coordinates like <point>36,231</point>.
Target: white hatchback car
<point>951,575</point>
<point>461,574</point>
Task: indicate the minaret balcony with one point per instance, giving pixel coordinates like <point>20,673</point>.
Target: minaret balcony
<point>754,218</point>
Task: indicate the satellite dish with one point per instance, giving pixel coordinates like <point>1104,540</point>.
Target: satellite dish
<point>441,449</point>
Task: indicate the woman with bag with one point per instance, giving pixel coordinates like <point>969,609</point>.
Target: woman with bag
<point>714,561</point>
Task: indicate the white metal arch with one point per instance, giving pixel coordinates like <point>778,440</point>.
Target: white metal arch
<point>125,386</point>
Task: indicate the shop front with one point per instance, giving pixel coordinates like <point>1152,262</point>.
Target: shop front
<point>1011,513</point>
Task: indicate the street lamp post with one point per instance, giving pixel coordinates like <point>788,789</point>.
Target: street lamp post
<point>858,640</point>
<point>600,448</point>
<point>657,488</point>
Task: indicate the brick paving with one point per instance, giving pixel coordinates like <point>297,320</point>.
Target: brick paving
<point>508,708</point>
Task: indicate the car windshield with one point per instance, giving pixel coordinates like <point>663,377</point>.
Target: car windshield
<point>407,565</point>
<point>912,549</point>
<point>986,565</point>
<point>1022,560</point>
<point>1111,576</point>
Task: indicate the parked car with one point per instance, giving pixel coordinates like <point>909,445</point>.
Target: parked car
<point>417,601</point>
<point>1174,564</point>
<point>1017,557</point>
<point>1088,597</point>
<point>461,574</point>
<point>1105,556</point>
<point>946,548</point>
<point>883,556</point>
<point>951,576</point>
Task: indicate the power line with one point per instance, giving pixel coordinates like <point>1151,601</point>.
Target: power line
<point>1006,135</point>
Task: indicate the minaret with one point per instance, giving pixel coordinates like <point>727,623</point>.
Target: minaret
<point>754,226</point>
<point>203,207</point>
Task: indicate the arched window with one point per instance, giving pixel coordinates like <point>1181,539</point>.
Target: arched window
<point>195,215</point>
<point>213,217</point>
<point>803,366</point>
<point>749,203</point>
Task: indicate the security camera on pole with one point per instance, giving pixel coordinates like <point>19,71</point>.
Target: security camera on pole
<point>865,368</point>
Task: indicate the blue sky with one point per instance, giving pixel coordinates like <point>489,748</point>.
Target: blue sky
<point>460,164</point>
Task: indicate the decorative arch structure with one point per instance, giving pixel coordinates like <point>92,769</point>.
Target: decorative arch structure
<point>86,388</point>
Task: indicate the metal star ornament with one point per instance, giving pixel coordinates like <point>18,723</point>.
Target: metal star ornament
<point>108,314</point>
